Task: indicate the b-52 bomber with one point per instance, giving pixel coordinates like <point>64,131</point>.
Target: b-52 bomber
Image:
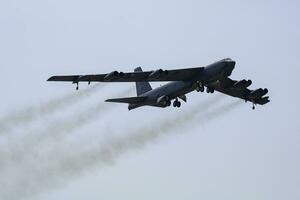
<point>213,77</point>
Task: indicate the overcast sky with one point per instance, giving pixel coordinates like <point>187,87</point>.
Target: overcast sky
<point>244,154</point>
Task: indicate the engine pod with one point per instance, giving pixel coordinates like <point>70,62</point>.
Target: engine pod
<point>112,75</point>
<point>158,73</point>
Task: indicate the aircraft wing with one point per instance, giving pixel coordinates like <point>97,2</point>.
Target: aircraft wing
<point>239,89</point>
<point>115,76</point>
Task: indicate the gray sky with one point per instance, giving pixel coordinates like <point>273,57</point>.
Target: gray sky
<point>241,155</point>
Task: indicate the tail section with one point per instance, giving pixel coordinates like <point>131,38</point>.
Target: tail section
<point>141,87</point>
<point>130,100</point>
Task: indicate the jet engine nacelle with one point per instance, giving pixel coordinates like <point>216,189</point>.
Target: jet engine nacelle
<point>264,92</point>
<point>163,100</point>
<point>242,84</point>
<point>258,93</point>
<point>113,75</point>
<point>158,73</point>
<point>263,100</point>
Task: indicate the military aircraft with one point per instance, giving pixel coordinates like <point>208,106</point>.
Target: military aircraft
<point>181,81</point>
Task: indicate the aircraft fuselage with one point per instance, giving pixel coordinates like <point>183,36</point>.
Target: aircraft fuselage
<point>160,96</point>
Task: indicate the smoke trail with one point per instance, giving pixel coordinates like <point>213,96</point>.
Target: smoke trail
<point>51,133</point>
<point>144,133</point>
<point>29,114</point>
<point>54,132</point>
<point>106,153</point>
<point>219,112</point>
<point>43,169</point>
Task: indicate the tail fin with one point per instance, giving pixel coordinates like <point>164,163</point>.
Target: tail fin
<point>141,87</point>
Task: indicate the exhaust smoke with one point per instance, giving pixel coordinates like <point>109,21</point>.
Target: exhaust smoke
<point>46,168</point>
<point>51,133</point>
<point>29,114</point>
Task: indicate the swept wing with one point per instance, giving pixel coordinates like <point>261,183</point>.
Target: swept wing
<point>115,76</point>
<point>239,89</point>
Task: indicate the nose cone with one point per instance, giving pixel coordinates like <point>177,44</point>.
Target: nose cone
<point>229,64</point>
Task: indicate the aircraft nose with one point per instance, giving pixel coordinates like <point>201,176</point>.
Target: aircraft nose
<point>230,64</point>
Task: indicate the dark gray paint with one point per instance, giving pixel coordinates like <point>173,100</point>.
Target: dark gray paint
<point>213,77</point>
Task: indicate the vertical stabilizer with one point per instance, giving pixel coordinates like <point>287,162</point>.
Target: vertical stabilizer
<point>141,87</point>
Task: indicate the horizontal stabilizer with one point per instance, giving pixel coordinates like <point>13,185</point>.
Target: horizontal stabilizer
<point>130,100</point>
